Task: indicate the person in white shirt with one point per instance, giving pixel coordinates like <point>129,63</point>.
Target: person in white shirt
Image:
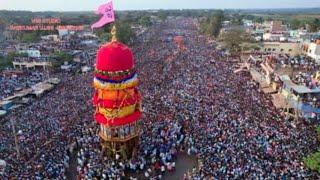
<point>146,174</point>
<point>173,165</point>
<point>117,156</point>
<point>163,169</point>
<point>141,166</point>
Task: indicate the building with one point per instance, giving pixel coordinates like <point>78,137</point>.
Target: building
<point>52,37</point>
<point>31,63</point>
<point>276,32</point>
<point>290,48</point>
<point>271,36</point>
<point>314,50</point>
<point>248,23</point>
<point>31,53</point>
<point>293,33</point>
<point>278,27</point>
<point>301,99</point>
<point>226,23</point>
<point>63,32</point>
<point>297,33</point>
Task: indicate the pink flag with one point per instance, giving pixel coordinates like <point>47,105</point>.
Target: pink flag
<point>107,12</point>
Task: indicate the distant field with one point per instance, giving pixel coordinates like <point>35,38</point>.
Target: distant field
<point>290,16</point>
<point>309,16</point>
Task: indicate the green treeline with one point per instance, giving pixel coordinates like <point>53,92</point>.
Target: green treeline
<point>212,25</point>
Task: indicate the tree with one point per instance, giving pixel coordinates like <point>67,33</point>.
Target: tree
<point>162,16</point>
<point>237,19</point>
<point>270,18</point>
<point>318,131</point>
<point>104,33</point>
<point>212,26</point>
<point>258,19</point>
<point>29,37</point>
<point>125,33</point>
<point>145,21</point>
<point>2,25</point>
<point>21,54</point>
<point>295,23</point>
<point>2,28</point>
<point>204,23</point>
<point>59,57</point>
<point>7,60</point>
<point>313,161</point>
<point>216,23</point>
<point>314,26</point>
<point>234,38</point>
<point>62,56</point>
<point>105,36</point>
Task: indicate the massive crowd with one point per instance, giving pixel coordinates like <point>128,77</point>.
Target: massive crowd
<point>193,102</point>
<point>46,128</point>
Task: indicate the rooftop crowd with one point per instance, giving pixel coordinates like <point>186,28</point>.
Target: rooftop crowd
<point>193,103</point>
<point>12,83</point>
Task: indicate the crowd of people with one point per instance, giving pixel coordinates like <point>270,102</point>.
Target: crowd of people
<point>305,79</point>
<point>298,62</point>
<point>45,129</point>
<point>193,103</point>
<point>13,83</point>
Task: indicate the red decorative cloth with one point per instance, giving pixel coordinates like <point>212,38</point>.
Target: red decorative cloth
<point>114,56</point>
<point>118,121</point>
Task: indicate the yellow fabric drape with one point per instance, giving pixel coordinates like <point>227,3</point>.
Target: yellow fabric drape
<point>115,86</point>
<point>115,94</point>
<point>117,113</point>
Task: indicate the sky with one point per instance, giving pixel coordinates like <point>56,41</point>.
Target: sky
<point>91,5</point>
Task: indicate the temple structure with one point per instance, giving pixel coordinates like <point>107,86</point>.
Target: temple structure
<point>117,100</point>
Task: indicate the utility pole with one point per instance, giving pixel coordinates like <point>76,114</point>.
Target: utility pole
<point>15,138</point>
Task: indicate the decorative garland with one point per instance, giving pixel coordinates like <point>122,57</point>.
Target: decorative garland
<point>117,113</point>
<point>115,80</point>
<point>131,83</point>
<point>115,73</point>
<point>118,121</point>
<point>116,104</point>
<point>116,95</point>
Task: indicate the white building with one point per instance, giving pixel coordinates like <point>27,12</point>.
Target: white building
<point>273,36</point>
<point>53,37</point>
<point>293,49</point>
<point>314,51</point>
<point>276,32</point>
<point>63,32</point>
<point>31,53</point>
<point>248,23</point>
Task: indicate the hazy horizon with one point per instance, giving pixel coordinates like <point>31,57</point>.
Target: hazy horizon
<point>85,5</point>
